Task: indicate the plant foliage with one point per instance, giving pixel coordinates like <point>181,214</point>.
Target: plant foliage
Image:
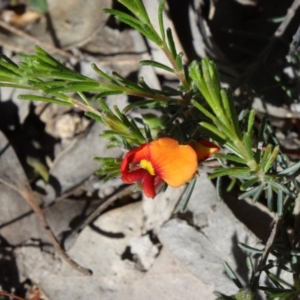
<point>199,107</point>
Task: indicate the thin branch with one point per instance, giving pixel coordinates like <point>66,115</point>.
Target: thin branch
<point>127,190</point>
<point>28,195</point>
<point>34,40</point>
<point>266,252</point>
<point>265,52</point>
<point>10,295</point>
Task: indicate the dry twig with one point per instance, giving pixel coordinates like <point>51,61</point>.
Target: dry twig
<point>34,40</point>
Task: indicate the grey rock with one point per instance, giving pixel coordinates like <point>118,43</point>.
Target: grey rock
<point>159,210</point>
<point>31,259</point>
<point>115,277</point>
<point>75,164</point>
<point>6,93</point>
<point>203,251</point>
<point>144,252</point>
<point>197,252</point>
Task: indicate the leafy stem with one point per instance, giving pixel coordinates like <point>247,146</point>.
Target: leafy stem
<point>179,73</point>
<point>142,23</point>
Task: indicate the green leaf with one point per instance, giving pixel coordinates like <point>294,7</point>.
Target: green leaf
<point>48,84</point>
<point>137,131</point>
<point>130,21</point>
<point>129,4</point>
<point>39,167</point>
<point>296,184</point>
<point>44,99</point>
<point>279,280</point>
<point>171,43</point>
<point>211,78</point>
<point>231,185</point>
<point>142,13</point>
<point>8,60</point>
<point>231,274</point>
<point>38,5</point>
<point>187,195</point>
<point>245,294</point>
<point>103,74</point>
<point>94,117</point>
<point>251,120</point>
<point>127,82</point>
<point>96,87</point>
<point>154,121</point>
<point>161,19</point>
<point>290,170</point>
<point>225,104</point>
<point>261,132</point>
<point>230,146</point>
<point>247,141</point>
<point>250,266</point>
<point>243,113</point>
<point>222,296</point>
<point>236,172</point>
<point>228,131</point>
<point>102,95</point>
<point>256,191</point>
<point>125,120</point>
<point>270,200</point>
<point>156,64</point>
<point>249,183</point>
<point>219,189</point>
<point>271,159</point>
<point>196,76</point>
<point>124,16</point>
<point>9,68</point>
<point>84,98</point>
<point>213,129</point>
<point>212,135</point>
<point>279,203</point>
<point>108,160</point>
<point>230,158</point>
<point>250,249</point>
<point>108,176</point>
<point>17,86</point>
<point>104,106</point>
<point>57,75</point>
<point>266,155</point>
<point>145,86</point>
<point>203,110</point>
<point>228,105</point>
<point>40,56</point>
<point>148,132</point>
<point>179,61</point>
<point>278,186</point>
<point>152,35</point>
<point>143,103</point>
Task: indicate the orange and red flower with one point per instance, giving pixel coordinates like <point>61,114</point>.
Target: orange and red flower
<point>204,149</point>
<point>163,160</point>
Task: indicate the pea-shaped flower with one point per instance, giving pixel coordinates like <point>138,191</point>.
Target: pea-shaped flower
<point>159,161</point>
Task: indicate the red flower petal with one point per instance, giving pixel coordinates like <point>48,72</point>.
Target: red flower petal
<point>172,163</point>
<point>133,176</point>
<point>134,156</point>
<point>148,185</point>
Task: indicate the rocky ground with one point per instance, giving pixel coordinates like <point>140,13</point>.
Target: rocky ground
<point>136,248</point>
